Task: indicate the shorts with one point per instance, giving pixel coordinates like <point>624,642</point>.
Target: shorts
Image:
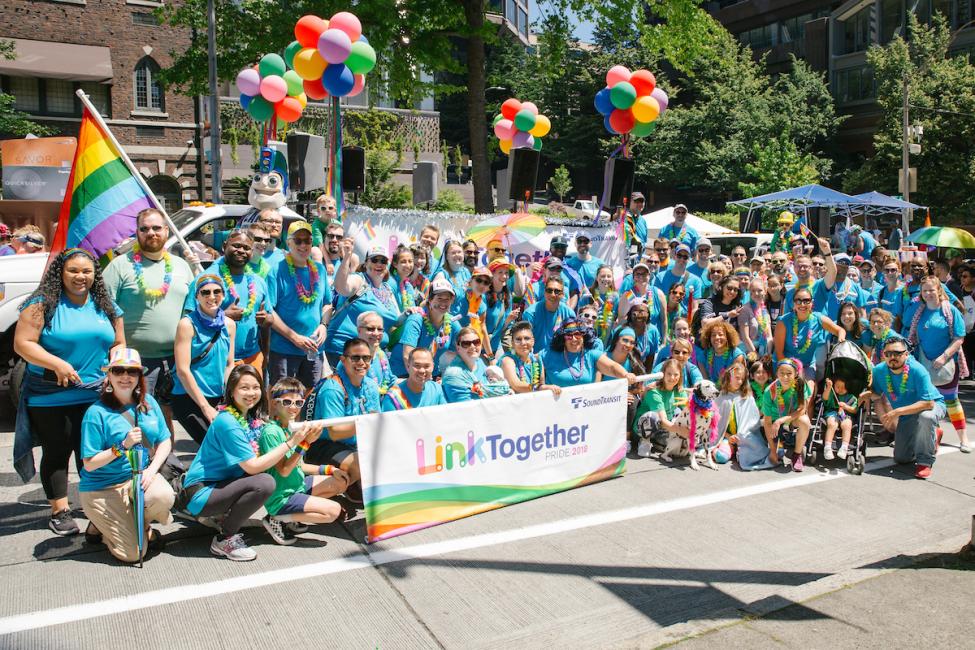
<point>328,452</point>
<point>155,367</point>
<point>296,502</point>
<point>787,436</point>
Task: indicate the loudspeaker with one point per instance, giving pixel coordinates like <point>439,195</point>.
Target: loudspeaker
<point>306,162</point>
<point>522,174</point>
<point>503,202</point>
<point>353,169</point>
<point>818,221</point>
<point>617,182</point>
<point>425,185</point>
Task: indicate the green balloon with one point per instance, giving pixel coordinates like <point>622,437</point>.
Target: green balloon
<point>290,51</point>
<point>623,94</point>
<point>271,64</point>
<point>524,120</point>
<point>362,58</point>
<point>537,145</point>
<point>295,83</point>
<point>497,118</point>
<point>260,109</point>
<point>643,129</point>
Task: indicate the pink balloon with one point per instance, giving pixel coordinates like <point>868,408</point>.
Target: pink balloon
<point>334,45</point>
<point>348,23</point>
<point>274,88</point>
<point>358,86</point>
<point>529,106</point>
<point>661,98</point>
<point>249,81</point>
<point>522,140</point>
<point>617,74</point>
<point>504,129</point>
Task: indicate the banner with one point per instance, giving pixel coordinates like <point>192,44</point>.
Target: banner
<point>423,467</point>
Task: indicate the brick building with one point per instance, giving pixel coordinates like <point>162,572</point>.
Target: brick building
<point>113,50</point>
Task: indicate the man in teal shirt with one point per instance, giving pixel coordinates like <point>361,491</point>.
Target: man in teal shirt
<point>419,389</point>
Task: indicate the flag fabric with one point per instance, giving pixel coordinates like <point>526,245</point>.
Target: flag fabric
<point>103,196</point>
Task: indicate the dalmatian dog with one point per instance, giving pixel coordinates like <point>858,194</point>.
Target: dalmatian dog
<point>701,412</point>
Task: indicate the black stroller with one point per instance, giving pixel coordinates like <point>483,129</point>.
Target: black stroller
<point>848,362</point>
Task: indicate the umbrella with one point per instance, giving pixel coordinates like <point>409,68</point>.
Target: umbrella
<point>943,237</point>
<point>515,228</point>
<point>136,458</point>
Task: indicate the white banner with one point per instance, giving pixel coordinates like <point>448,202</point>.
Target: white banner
<point>423,467</point>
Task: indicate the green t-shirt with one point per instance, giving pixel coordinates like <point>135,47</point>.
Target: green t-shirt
<point>317,231</point>
<point>769,406</point>
<point>659,400</point>
<point>273,435</point>
<point>849,399</point>
<point>150,325</point>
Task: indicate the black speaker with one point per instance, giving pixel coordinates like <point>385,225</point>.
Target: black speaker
<point>522,174</point>
<point>306,162</point>
<point>818,221</point>
<point>425,186</point>
<point>617,182</point>
<point>353,169</point>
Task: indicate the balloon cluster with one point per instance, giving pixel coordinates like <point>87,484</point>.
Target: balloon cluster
<point>630,102</point>
<point>520,125</point>
<point>269,90</point>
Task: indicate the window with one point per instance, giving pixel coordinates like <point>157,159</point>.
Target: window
<point>854,85</point>
<point>758,38</point>
<point>60,96</point>
<point>140,18</point>
<point>26,92</point>
<point>99,96</point>
<point>509,10</point>
<point>154,132</point>
<point>892,20</point>
<point>856,32</point>
<point>523,21</point>
<point>148,90</point>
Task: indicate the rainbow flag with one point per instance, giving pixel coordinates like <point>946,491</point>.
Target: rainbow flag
<point>103,196</point>
<point>367,225</point>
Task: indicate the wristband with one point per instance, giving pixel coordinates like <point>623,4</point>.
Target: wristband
<point>325,470</point>
<point>304,445</point>
<point>117,451</point>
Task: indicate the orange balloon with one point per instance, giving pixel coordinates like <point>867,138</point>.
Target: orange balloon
<point>308,29</point>
<point>288,109</point>
<point>314,89</point>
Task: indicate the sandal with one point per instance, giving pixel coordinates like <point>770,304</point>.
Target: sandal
<point>93,537</point>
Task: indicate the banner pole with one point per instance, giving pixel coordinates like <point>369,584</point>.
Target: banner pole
<point>138,177</point>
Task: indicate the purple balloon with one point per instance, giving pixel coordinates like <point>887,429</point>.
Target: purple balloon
<point>661,98</point>
<point>249,82</point>
<point>522,140</point>
<point>334,45</point>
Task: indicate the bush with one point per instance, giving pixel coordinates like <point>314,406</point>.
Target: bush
<point>450,201</point>
<point>726,219</point>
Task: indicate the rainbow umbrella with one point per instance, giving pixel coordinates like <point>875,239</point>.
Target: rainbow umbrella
<point>515,228</point>
<point>943,237</point>
<point>136,458</point>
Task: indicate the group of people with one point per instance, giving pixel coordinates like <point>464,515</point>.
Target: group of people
<point>21,241</point>
<point>293,325</point>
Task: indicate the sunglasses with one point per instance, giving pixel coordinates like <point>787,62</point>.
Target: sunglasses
<point>145,229</point>
<point>574,334</point>
<point>302,241</point>
<point>554,292</point>
<point>582,241</point>
<point>662,250</point>
<point>360,358</point>
<point>587,316</point>
<point>499,250</point>
<point>683,256</point>
<point>469,343</point>
<point>206,293</point>
<point>333,236</point>
<point>733,288</point>
<point>803,301</point>
<point>261,240</point>
<point>482,280</point>
<point>132,372</point>
<point>704,249</point>
<point>893,354</point>
<point>819,263</point>
<point>288,403</point>
<point>682,353</point>
<point>378,260</point>
<point>891,270</point>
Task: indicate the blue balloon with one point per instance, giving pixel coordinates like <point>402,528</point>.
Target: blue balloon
<point>362,38</point>
<point>245,101</point>
<point>338,80</point>
<point>609,126</point>
<point>603,102</point>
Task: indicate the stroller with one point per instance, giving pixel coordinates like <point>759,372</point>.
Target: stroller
<point>848,362</point>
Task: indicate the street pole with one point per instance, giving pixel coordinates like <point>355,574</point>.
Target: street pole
<point>215,171</point>
<point>906,160</point>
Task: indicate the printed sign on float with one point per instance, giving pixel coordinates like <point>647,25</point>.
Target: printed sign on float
<point>423,467</point>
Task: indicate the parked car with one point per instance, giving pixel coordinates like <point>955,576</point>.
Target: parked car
<point>754,243</point>
<point>584,208</point>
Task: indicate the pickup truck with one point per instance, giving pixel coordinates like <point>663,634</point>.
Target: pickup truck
<point>583,208</point>
<point>20,275</point>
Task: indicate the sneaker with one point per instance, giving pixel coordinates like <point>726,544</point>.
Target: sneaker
<point>296,527</point>
<point>922,472</point>
<point>63,524</point>
<point>828,452</point>
<point>232,548</point>
<point>841,454</point>
<point>277,531</point>
<point>937,439</point>
<point>797,463</point>
<point>965,448</point>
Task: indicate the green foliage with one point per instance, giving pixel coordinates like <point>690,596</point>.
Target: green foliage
<point>450,201</point>
<point>7,50</point>
<point>726,219</point>
<point>561,183</point>
<point>381,191</point>
<point>778,165</point>
<point>942,98</point>
<point>17,123</point>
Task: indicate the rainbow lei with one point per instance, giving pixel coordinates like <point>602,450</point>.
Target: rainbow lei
<point>531,373</point>
<point>710,360</point>
<point>251,288</point>
<point>440,337</point>
<point>780,397</point>
<point>152,294</point>
<point>795,336</point>
<point>890,384</point>
<point>406,294</point>
<point>310,295</point>
<point>252,429</point>
<point>261,268</point>
<point>761,315</point>
<point>605,319</point>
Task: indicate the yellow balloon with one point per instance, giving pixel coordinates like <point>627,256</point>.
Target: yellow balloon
<point>645,109</point>
<point>302,99</point>
<point>309,64</point>
<point>542,126</point>
<point>505,145</point>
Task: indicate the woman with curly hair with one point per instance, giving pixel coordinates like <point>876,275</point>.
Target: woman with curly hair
<point>718,349</point>
<point>573,360</point>
<point>65,332</point>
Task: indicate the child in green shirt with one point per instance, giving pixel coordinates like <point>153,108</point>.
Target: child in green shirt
<point>840,405</point>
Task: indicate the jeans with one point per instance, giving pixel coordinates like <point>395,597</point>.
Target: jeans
<point>915,437</point>
<point>308,372</point>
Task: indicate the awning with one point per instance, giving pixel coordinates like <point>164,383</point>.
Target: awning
<point>54,60</point>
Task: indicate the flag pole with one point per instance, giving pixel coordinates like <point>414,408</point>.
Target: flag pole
<point>138,177</point>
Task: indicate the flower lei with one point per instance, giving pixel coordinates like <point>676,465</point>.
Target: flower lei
<point>406,294</point>
<point>576,374</point>
<point>440,337</point>
<point>251,288</point>
<point>252,429</point>
<point>384,383</point>
<point>795,336</point>
<point>704,410</point>
<point>152,294</point>
<point>780,397</point>
<point>762,316</point>
<point>710,360</point>
<point>890,384</point>
<point>310,295</point>
<point>531,373</point>
<point>605,318</point>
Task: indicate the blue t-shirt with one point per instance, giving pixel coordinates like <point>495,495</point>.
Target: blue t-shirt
<point>81,335</point>
<point>416,334</point>
<point>225,446</point>
<point>700,271</point>
<point>685,235</point>
<point>828,301</point>
<point>869,243</point>
<point>935,334</point>
<point>586,270</point>
<point>545,323</point>
<point>812,329</point>
<point>273,257</point>
<point>713,366</point>
<point>664,280</point>
<point>908,300</point>
<point>918,386</point>
<point>337,397</point>
<point>458,380</point>
<point>691,374</point>
<point>103,427</point>
<point>495,318</point>
<point>401,397</point>
<point>458,281</point>
<point>567,369</point>
<point>379,299</point>
<point>302,317</point>
<point>247,341</point>
<point>209,371</point>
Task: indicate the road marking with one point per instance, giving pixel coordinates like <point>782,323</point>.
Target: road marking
<point>183,593</point>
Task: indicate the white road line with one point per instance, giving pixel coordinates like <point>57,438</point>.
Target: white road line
<point>183,593</point>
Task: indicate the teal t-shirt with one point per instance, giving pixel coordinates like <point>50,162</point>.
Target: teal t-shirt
<point>103,427</point>
<point>379,299</point>
<point>225,446</point>
<point>300,316</point>
<point>586,270</point>
<point>400,397</point>
<point>273,435</point>
<point>567,369</point>
<point>247,340</point>
<point>810,336</point>
<point>417,334</point>
<point>337,397</point>
<point>208,371</point>
<point>545,323</point>
<point>917,387</point>
<point>458,380</point>
<point>769,405</point>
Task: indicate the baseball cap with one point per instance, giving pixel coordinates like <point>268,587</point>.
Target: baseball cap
<point>441,285</point>
<point>760,260</point>
<point>500,263</point>
<point>481,270</point>
<point>704,241</point>
<point>683,248</point>
<point>553,263</point>
<point>637,196</point>
<point>298,225</point>
<point>680,206</point>
<point>583,235</point>
<point>559,240</point>
<point>842,258</point>
<point>867,260</point>
<point>641,265</point>
<point>377,251</point>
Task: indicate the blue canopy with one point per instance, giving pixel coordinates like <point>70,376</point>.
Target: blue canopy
<point>877,203</point>
<point>807,196</point>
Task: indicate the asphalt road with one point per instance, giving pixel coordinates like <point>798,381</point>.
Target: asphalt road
<point>660,555</point>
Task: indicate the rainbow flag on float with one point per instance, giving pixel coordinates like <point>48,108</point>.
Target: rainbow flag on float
<point>103,196</point>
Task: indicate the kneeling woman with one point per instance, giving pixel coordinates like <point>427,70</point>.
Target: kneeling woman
<point>124,417</point>
<point>227,478</point>
<point>573,360</point>
<point>302,491</point>
<point>784,404</point>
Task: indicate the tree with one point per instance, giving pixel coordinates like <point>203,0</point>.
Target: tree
<point>942,98</point>
<point>778,165</point>
<point>561,183</point>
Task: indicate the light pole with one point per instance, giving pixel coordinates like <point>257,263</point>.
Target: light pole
<point>215,171</point>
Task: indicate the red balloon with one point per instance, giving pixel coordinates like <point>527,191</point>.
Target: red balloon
<point>644,82</point>
<point>308,29</point>
<point>314,89</point>
<point>288,109</point>
<point>622,121</point>
<point>510,108</point>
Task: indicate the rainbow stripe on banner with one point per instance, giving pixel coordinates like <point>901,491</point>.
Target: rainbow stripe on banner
<point>103,197</point>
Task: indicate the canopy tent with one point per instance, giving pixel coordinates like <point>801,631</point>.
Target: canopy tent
<point>807,196</point>
<point>660,218</point>
<point>874,203</point>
